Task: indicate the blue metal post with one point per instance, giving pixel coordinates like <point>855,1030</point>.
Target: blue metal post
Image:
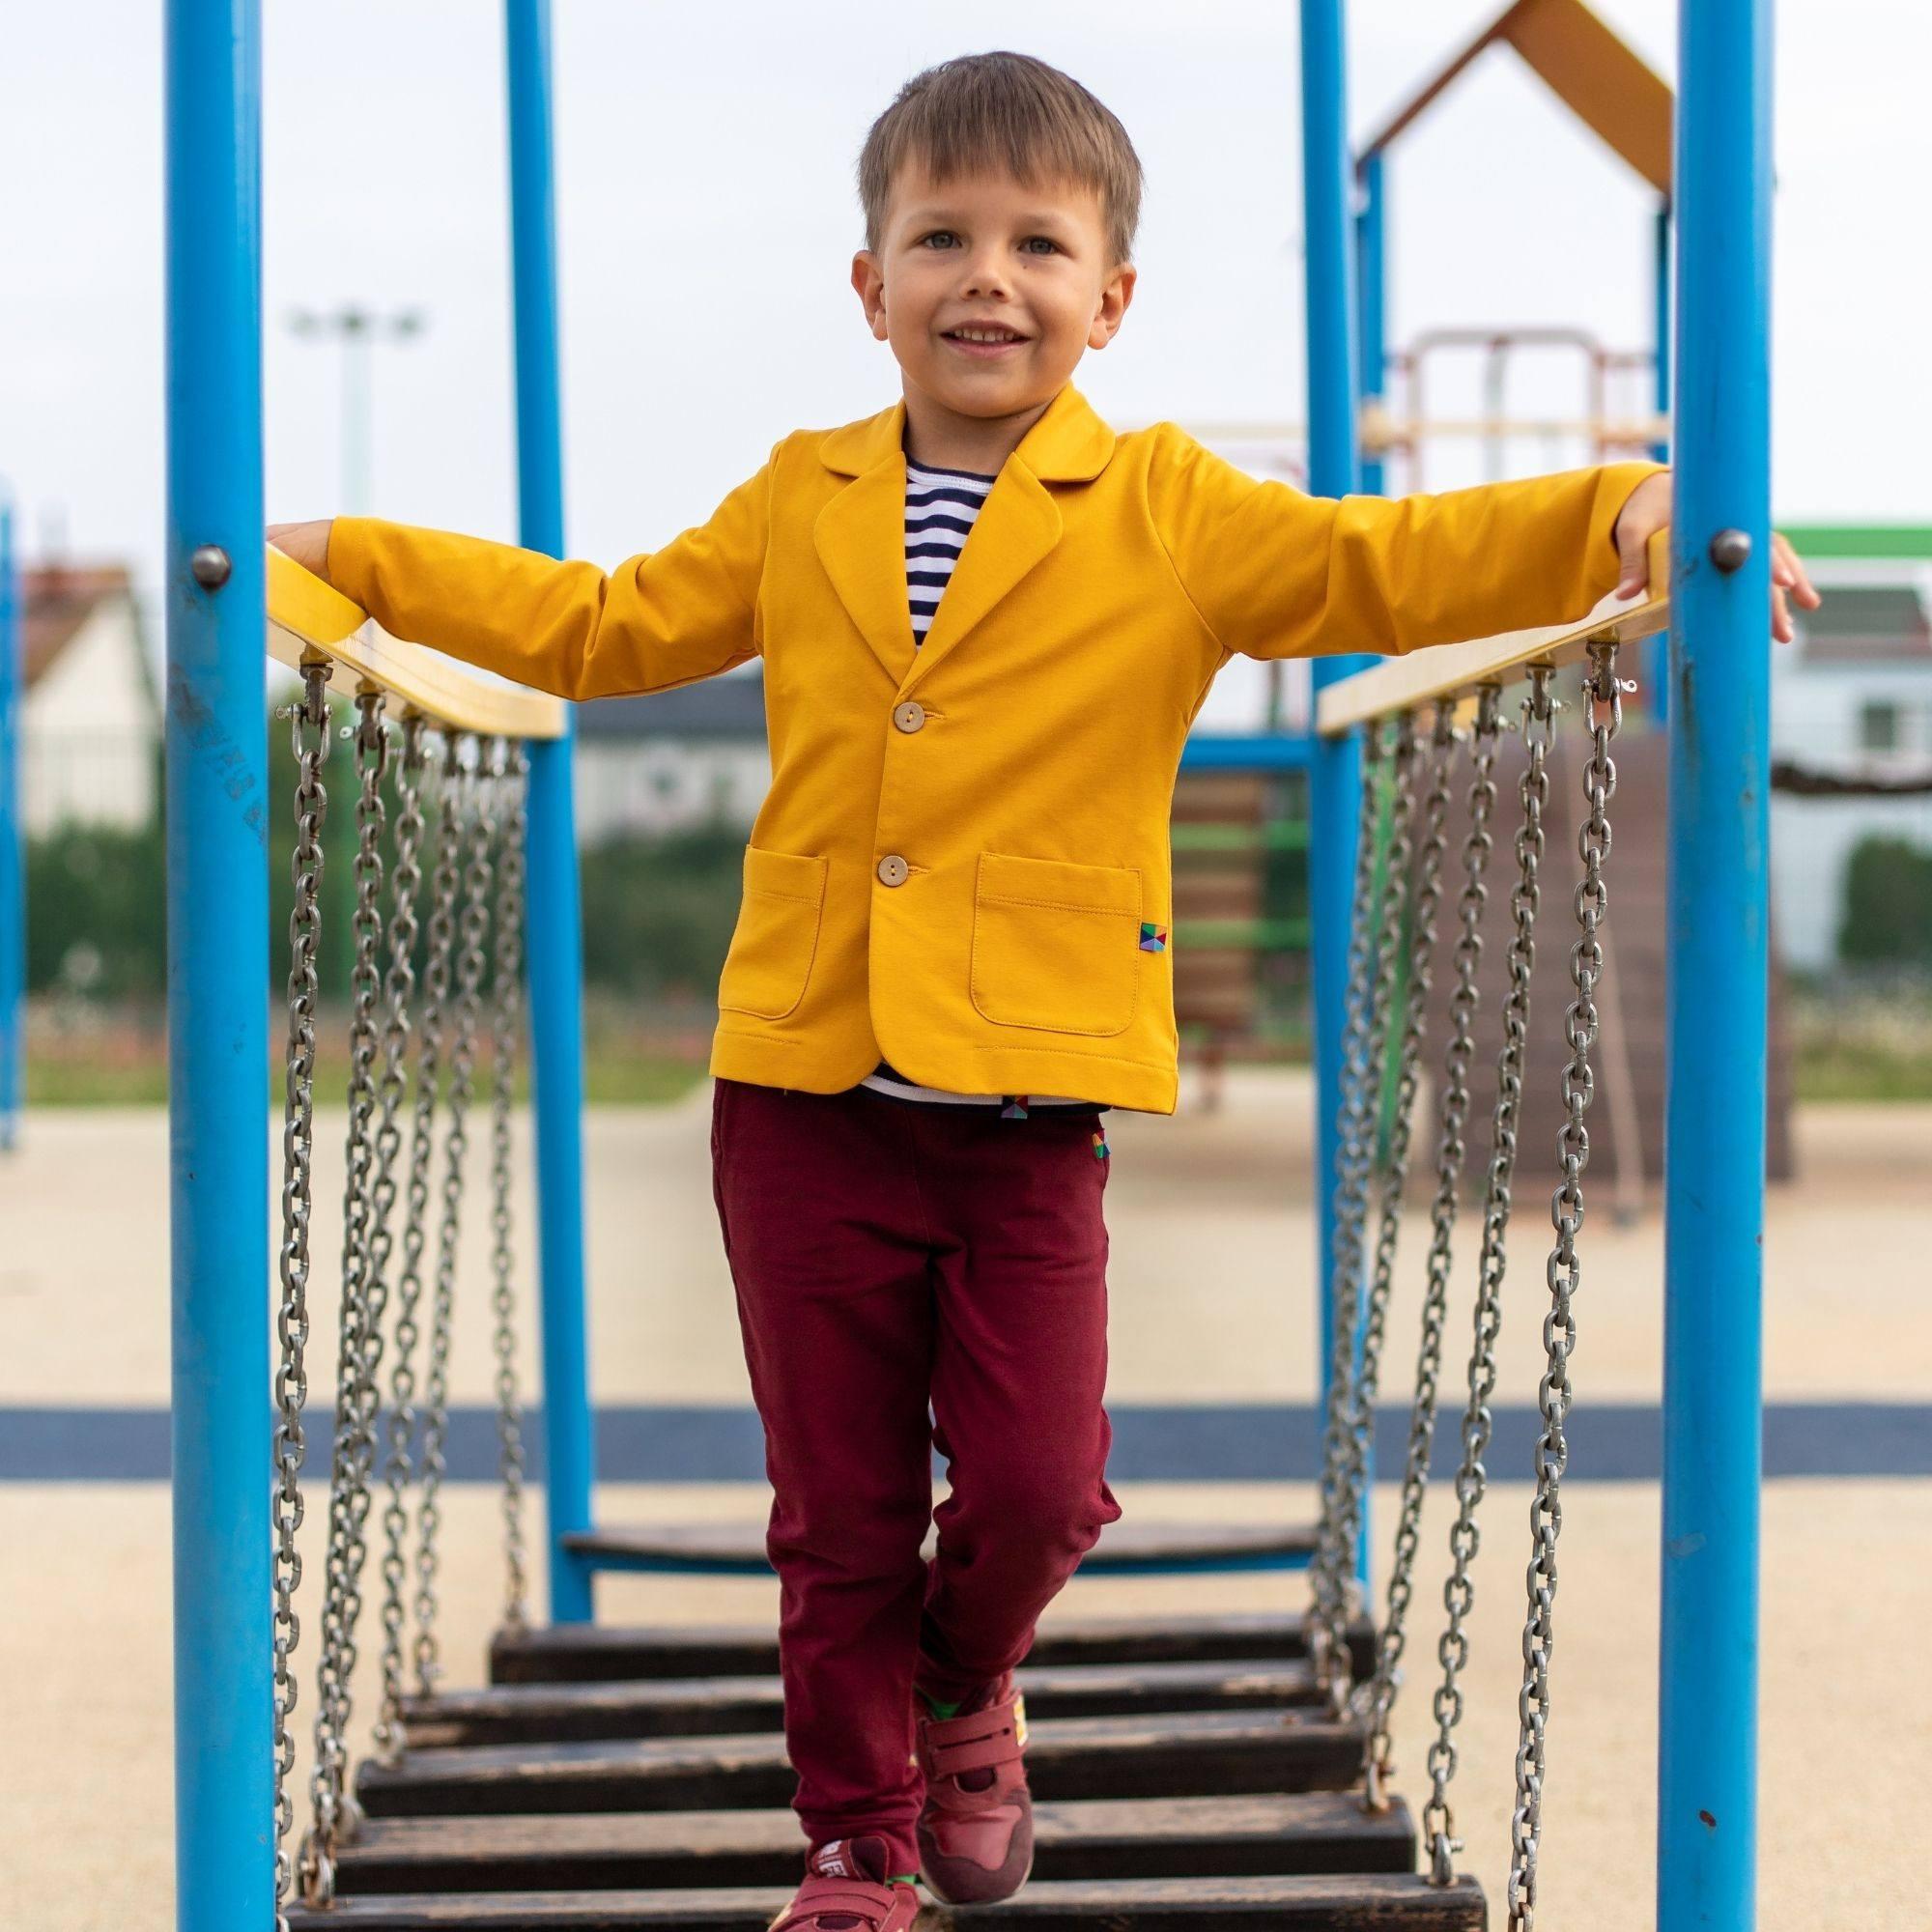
<point>1719,952</point>
<point>13,866</point>
<point>555,916</point>
<point>1655,650</point>
<point>1335,779</point>
<point>1372,295</point>
<point>217,972</point>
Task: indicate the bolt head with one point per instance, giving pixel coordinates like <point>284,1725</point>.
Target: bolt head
<point>1730,550</point>
<point>210,566</point>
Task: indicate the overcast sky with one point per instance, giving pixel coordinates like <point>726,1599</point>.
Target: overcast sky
<point>707,219</point>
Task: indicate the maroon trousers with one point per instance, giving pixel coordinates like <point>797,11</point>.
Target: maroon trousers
<point>887,1253</point>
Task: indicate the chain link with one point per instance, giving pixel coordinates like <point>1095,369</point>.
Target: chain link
<point>1451,1149</point>
<point>1604,708</point>
<point>360,1340</point>
<point>1327,1629</point>
<point>511,774</point>
<point>1414,895</point>
<point>465,809</point>
<point>309,734</point>
<point>390,1739</point>
<point>1399,886</point>
<point>1459,1593</point>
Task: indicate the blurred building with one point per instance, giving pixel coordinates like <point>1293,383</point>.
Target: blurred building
<point>91,722</point>
<point>674,760</point>
<point>1851,706</point>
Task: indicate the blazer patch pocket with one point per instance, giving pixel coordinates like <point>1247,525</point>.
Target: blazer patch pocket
<point>1056,944</point>
<point>776,934</point>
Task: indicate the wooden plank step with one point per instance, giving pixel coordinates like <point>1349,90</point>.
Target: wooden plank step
<point>701,1705</point>
<point>1133,1837</point>
<point>1385,1902</point>
<point>602,1654</point>
<point>1183,1754</point>
<point>1126,1548</point>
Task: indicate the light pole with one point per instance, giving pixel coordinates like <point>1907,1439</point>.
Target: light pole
<point>357,330</point>
<point>12,873</point>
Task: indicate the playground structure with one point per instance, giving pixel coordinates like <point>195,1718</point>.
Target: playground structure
<point>1233,1764</point>
<point>1605,86</point>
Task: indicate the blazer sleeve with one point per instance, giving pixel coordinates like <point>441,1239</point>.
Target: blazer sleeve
<point>665,617</point>
<point>1277,574</point>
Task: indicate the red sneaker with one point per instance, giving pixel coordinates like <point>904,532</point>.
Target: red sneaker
<point>976,1829</point>
<point>846,1889</point>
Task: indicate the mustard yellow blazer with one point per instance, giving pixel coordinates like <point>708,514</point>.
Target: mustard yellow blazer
<point>962,842</point>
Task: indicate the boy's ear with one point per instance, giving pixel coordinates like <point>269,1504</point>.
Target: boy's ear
<point>870,281</point>
<point>1116,293</point>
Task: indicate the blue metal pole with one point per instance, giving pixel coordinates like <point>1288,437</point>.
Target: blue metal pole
<point>13,868</point>
<point>1655,650</point>
<point>217,971</point>
<point>1372,270</point>
<point>1335,777</point>
<point>1720,954</point>
<point>555,916</point>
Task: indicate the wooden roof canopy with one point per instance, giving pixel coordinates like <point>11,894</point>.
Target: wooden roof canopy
<point>1601,80</point>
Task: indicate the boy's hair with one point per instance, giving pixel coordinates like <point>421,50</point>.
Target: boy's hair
<point>1009,110</point>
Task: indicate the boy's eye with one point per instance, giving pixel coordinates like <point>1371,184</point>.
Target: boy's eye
<point>945,237</point>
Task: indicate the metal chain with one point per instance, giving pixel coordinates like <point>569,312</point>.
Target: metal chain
<point>1605,707</point>
<point>361,1339</point>
<point>1399,887</point>
<point>466,805</point>
<point>403,930</point>
<point>309,733</point>
<point>511,774</point>
<point>1413,889</point>
<point>1451,1151</point>
<point>1327,1629</point>
<point>1459,1593</point>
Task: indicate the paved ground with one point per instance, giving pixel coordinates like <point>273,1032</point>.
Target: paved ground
<point>1211,1240</point>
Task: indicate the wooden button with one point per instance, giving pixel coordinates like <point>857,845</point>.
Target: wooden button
<point>892,869</point>
<point>909,716</point>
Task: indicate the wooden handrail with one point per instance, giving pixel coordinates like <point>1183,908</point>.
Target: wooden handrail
<point>311,619</point>
<point>1448,672</point>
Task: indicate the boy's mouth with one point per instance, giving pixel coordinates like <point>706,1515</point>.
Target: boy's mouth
<point>984,340</point>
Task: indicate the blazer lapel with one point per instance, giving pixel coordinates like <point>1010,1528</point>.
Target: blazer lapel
<point>1017,525</point>
<point>860,535</point>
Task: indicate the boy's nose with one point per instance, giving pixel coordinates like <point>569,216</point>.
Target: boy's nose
<point>985,277</point>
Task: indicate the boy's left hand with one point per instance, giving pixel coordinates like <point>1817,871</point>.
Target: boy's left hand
<point>1648,511</point>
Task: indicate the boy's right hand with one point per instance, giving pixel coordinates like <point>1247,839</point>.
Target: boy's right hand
<point>306,544</point>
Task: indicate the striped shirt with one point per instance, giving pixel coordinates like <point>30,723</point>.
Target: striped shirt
<point>941,507</point>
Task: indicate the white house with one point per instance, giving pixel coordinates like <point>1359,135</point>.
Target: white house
<point>674,760</point>
<point>91,720</point>
<point>1852,698</point>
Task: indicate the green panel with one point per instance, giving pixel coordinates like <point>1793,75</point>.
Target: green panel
<point>1876,541</point>
<point>1264,935</point>
<point>1278,835</point>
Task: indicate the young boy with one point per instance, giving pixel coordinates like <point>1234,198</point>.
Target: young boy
<point>952,957</point>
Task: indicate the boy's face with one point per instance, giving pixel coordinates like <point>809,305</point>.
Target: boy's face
<point>985,255</point>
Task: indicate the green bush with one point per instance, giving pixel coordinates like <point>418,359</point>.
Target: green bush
<point>657,911</point>
<point>1887,905</point>
<point>95,922</point>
